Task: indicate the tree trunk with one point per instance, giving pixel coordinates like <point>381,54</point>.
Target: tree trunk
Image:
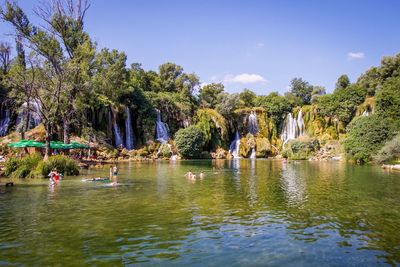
<point>66,131</point>
<point>47,152</point>
<point>66,134</point>
<point>25,128</point>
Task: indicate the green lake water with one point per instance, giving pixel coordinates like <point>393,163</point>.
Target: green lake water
<point>243,213</point>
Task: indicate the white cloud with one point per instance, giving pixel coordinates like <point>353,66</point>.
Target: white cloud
<point>356,55</point>
<point>244,78</point>
<point>260,44</point>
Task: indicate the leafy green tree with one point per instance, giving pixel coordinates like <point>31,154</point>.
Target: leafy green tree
<point>275,105</point>
<point>209,94</point>
<point>110,77</point>
<point>294,101</point>
<point>342,104</point>
<point>247,98</point>
<point>227,104</point>
<point>388,99</point>
<point>301,89</point>
<point>342,82</point>
<point>370,80</point>
<point>174,79</point>
<point>366,135</point>
<point>317,92</point>
<point>189,142</point>
<point>390,151</point>
<point>374,78</point>
<point>46,68</point>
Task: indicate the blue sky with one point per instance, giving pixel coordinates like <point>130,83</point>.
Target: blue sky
<point>259,45</point>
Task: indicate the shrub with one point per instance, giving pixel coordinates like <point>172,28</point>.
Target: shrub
<point>390,151</point>
<point>63,164</point>
<point>388,99</point>
<point>366,135</point>
<point>11,165</point>
<point>33,166</point>
<point>301,148</point>
<point>26,165</point>
<point>189,142</point>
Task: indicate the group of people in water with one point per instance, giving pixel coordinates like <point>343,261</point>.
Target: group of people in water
<point>192,176</point>
<point>112,178</point>
<point>55,176</point>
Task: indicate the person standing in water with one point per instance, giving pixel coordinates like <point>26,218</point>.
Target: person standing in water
<point>115,170</point>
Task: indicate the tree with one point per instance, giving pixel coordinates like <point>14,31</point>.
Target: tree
<point>227,104</point>
<point>275,105</point>
<point>5,53</point>
<point>45,71</point>
<point>247,98</point>
<point>342,104</point>
<point>366,135</point>
<point>110,76</point>
<point>317,92</point>
<point>174,79</point>
<point>189,142</point>
<point>342,82</point>
<point>301,89</point>
<point>388,99</point>
<point>210,94</point>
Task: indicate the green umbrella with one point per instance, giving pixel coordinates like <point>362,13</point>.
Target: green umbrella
<point>76,145</point>
<point>72,145</point>
<point>26,143</point>
<point>58,145</point>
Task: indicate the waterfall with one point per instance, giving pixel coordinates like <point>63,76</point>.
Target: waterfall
<point>300,123</point>
<point>252,123</point>
<point>292,127</point>
<point>234,148</point>
<point>4,122</point>
<point>116,130</point>
<point>162,130</point>
<point>128,130</point>
<point>253,153</point>
<point>33,109</point>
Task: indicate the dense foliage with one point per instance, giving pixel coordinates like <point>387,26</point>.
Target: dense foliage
<point>33,166</point>
<point>189,142</point>
<point>390,151</point>
<point>366,135</point>
<point>89,92</point>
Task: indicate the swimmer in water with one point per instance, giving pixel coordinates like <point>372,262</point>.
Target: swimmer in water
<point>189,174</point>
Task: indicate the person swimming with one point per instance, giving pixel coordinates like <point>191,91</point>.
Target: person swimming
<point>96,179</point>
<point>190,175</point>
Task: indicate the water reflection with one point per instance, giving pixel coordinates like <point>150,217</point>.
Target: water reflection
<point>293,185</point>
<point>243,212</point>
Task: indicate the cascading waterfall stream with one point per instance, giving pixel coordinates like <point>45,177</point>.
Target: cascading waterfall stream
<point>128,130</point>
<point>116,130</point>
<point>253,153</point>
<point>292,127</point>
<point>33,109</point>
<point>162,130</point>
<point>252,125</point>
<point>4,122</point>
<point>234,148</point>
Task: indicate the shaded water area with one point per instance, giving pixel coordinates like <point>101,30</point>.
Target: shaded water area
<point>243,213</point>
